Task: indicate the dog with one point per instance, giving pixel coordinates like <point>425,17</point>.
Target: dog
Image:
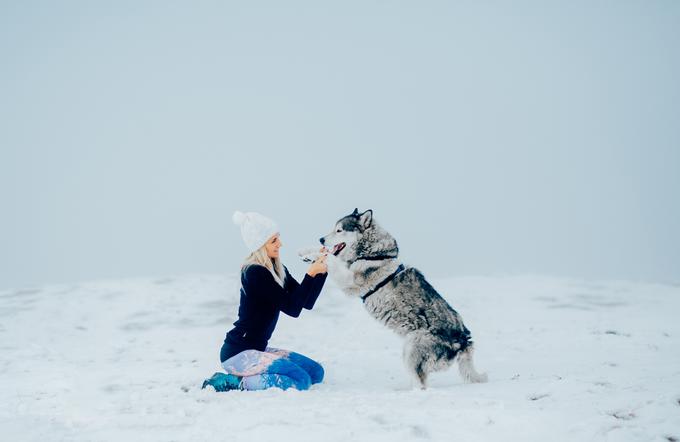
<point>363,260</point>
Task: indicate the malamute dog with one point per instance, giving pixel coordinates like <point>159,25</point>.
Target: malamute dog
<point>364,262</point>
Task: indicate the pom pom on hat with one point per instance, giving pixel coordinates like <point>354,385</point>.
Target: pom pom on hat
<point>238,218</point>
<point>256,229</point>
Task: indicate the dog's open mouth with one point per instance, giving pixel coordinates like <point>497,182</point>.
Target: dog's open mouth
<point>338,248</point>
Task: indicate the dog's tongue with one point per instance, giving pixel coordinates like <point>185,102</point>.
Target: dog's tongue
<point>338,248</point>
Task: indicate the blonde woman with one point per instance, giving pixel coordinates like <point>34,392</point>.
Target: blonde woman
<point>267,289</point>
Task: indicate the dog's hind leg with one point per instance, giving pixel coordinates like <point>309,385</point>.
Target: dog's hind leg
<point>417,357</point>
<point>467,368</point>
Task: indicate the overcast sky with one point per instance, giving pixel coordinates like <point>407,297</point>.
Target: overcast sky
<point>488,137</point>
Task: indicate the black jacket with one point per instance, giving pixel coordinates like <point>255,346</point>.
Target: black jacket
<point>262,298</point>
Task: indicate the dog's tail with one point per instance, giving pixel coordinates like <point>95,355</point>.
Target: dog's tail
<point>466,366</point>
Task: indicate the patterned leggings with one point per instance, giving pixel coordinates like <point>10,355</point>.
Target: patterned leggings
<point>274,367</point>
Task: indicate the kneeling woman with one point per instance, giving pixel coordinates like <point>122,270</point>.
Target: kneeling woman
<point>267,289</point>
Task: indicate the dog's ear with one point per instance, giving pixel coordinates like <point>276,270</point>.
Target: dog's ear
<point>356,212</point>
<point>366,218</point>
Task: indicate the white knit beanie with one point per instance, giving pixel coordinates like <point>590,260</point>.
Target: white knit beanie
<point>256,229</point>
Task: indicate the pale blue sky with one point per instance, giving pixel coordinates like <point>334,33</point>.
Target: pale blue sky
<point>488,137</point>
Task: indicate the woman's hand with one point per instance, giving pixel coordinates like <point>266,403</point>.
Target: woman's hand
<point>318,266</point>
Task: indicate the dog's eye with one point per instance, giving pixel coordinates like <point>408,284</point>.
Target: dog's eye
<point>338,231</point>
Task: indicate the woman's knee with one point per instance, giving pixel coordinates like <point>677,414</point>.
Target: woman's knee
<point>316,373</point>
<point>289,368</point>
<point>313,368</point>
<point>269,380</point>
<point>282,374</point>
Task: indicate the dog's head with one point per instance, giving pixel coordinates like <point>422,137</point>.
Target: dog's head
<point>358,236</point>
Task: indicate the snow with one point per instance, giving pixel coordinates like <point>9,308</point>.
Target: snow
<point>124,359</point>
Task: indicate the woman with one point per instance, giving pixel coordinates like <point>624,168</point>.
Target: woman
<point>267,289</point>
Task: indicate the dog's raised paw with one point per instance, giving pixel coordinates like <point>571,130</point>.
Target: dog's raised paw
<point>309,254</point>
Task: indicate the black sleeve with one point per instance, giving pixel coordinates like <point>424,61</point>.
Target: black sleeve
<point>314,292</point>
<point>260,283</point>
<point>319,281</point>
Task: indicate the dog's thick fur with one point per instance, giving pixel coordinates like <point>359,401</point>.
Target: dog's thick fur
<point>363,255</point>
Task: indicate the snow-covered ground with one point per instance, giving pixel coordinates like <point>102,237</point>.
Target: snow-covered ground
<point>124,360</point>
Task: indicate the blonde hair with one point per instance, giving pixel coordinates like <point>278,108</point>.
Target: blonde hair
<point>260,257</point>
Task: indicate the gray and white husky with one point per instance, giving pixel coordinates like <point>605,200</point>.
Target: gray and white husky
<point>364,262</point>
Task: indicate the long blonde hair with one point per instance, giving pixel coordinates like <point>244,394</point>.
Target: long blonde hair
<point>260,257</point>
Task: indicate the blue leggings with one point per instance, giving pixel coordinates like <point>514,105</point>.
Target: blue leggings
<point>274,367</point>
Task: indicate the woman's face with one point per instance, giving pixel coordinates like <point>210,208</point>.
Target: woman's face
<point>273,245</point>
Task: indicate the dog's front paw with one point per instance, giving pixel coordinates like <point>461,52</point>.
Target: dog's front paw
<point>309,254</point>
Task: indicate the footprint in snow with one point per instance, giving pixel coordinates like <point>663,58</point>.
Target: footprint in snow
<point>616,333</point>
<point>421,432</point>
<point>623,415</point>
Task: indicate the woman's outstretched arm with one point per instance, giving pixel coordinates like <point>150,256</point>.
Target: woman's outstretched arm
<point>260,283</point>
